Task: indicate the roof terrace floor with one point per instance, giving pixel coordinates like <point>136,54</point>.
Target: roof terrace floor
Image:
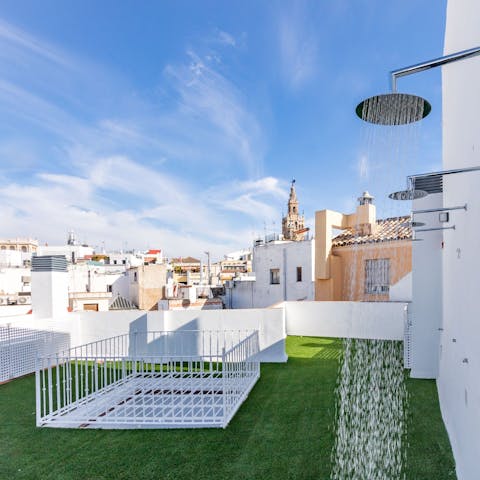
<point>284,430</point>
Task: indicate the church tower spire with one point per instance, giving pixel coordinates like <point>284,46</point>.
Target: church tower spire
<point>293,222</point>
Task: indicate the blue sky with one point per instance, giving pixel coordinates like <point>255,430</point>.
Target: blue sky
<point>179,125</point>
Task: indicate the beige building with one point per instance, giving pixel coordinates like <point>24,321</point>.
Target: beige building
<point>26,245</point>
<point>147,285</point>
<point>366,260</point>
<point>186,270</point>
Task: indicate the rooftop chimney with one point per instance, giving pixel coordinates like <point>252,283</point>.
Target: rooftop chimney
<point>366,219</point>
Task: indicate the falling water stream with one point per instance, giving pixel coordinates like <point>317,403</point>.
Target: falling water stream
<point>371,395</point>
<point>371,412</point>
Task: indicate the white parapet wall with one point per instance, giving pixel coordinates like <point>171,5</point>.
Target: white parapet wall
<point>270,323</point>
<point>85,327</point>
<point>376,320</point>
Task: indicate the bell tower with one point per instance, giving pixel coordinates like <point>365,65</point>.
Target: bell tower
<point>293,222</point>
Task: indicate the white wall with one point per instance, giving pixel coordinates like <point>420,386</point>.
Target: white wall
<point>85,327</point>
<point>426,307</point>
<point>378,320</point>
<point>130,259</point>
<point>458,382</point>
<point>14,310</point>
<point>93,278</point>
<point>78,251</point>
<point>286,256</point>
<point>402,290</point>
<point>241,295</point>
<point>49,294</point>
<point>270,323</point>
<point>13,258</point>
<point>11,280</point>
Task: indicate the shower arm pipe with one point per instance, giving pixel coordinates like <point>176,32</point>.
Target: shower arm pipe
<point>444,209</point>
<point>436,62</point>
<point>434,229</point>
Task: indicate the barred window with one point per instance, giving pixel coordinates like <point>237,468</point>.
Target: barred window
<point>377,276</point>
<point>274,276</point>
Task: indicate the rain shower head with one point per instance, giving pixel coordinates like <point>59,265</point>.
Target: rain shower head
<point>402,108</point>
<point>393,109</point>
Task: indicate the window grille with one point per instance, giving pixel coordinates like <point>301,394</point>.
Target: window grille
<point>377,276</point>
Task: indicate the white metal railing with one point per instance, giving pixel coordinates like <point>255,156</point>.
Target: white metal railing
<point>19,347</point>
<point>241,370</point>
<point>167,379</point>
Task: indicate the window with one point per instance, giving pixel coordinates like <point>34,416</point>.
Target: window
<point>24,249</point>
<point>109,288</point>
<point>274,276</point>
<point>299,274</point>
<point>377,276</point>
<point>134,276</point>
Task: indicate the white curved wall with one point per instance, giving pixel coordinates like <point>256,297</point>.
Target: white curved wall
<point>459,366</point>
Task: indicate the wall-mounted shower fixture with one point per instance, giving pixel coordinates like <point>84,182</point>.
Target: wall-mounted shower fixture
<point>428,179</point>
<point>444,209</point>
<point>412,224</point>
<point>434,229</point>
<point>401,108</point>
<point>408,195</point>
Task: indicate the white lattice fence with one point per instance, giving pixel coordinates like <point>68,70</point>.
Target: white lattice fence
<point>19,348</point>
<point>149,380</point>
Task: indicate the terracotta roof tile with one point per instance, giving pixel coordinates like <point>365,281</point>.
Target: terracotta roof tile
<point>388,229</point>
<point>185,260</point>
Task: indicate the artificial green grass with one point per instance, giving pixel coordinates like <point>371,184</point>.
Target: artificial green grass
<point>282,431</point>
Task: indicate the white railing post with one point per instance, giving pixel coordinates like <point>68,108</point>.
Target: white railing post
<point>9,353</point>
<point>224,387</point>
<point>38,396</point>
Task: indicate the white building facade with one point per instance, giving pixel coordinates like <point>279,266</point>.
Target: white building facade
<point>283,271</point>
<point>459,352</point>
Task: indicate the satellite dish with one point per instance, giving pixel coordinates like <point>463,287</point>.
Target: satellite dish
<point>408,195</point>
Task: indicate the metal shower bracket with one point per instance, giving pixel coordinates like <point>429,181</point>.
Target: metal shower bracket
<point>436,62</point>
<point>444,209</point>
<point>433,229</point>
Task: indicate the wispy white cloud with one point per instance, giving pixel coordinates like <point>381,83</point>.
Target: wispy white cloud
<point>226,38</point>
<point>16,36</point>
<point>137,174</point>
<point>175,215</point>
<point>209,95</point>
<point>298,46</point>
